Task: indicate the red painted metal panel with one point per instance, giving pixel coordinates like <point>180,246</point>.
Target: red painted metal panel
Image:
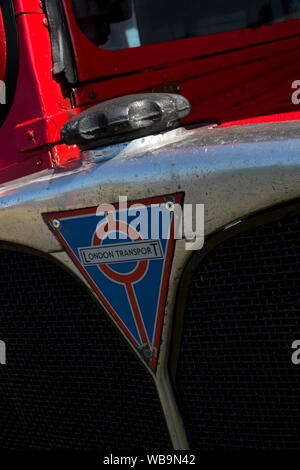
<point>27,6</point>
<point>41,106</point>
<point>234,85</point>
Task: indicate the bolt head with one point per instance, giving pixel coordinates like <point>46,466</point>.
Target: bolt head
<point>170,206</point>
<point>30,134</point>
<point>56,223</point>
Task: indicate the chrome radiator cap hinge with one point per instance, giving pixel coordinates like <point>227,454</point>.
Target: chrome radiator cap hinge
<point>125,118</point>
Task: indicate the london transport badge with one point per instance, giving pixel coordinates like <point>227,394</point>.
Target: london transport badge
<point>125,252</point>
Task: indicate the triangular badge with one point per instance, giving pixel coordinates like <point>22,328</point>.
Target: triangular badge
<point>125,252</point>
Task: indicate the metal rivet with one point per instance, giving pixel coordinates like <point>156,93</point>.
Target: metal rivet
<point>55,223</point>
<point>170,206</point>
<point>30,134</point>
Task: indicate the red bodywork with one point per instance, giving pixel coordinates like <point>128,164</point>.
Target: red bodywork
<point>234,77</point>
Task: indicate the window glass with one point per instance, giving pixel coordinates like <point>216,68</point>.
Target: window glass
<point>120,24</point>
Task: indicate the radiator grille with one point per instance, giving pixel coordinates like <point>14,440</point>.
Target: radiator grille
<point>70,381</point>
<point>236,383</point>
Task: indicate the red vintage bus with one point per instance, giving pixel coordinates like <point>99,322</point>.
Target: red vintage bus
<point>114,338</point>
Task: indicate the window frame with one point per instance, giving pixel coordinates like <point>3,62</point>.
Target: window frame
<point>95,63</point>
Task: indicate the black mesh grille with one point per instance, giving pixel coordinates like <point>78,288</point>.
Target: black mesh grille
<point>70,381</point>
<point>236,383</point>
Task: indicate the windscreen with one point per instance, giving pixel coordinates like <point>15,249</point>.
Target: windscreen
<point>122,24</point>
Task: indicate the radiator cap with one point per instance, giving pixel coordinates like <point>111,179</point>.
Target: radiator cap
<point>125,118</point>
